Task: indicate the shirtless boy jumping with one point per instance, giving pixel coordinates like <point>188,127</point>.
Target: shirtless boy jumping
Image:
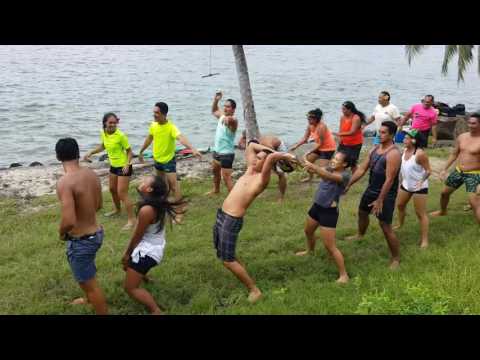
<point>80,195</point>
<point>260,161</point>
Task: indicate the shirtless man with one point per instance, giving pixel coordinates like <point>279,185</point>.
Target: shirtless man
<point>467,171</point>
<point>80,195</point>
<point>260,161</point>
<point>276,144</point>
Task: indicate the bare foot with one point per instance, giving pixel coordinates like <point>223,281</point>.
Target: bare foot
<point>467,207</point>
<point>437,213</point>
<point>302,253</point>
<point>423,245</point>
<point>79,301</point>
<point>396,227</point>
<point>394,264</point>
<point>354,237</point>
<point>343,279</point>
<point>157,312</point>
<point>254,295</point>
<point>128,226</point>
<point>211,193</point>
<point>112,213</point>
<point>280,201</point>
<point>178,220</point>
<point>305,180</point>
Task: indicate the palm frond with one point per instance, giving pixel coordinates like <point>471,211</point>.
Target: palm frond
<point>413,50</point>
<point>465,57</point>
<point>450,50</point>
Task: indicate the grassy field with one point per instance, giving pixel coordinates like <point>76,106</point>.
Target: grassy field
<point>444,279</point>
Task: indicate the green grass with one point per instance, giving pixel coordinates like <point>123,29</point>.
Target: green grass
<point>444,279</point>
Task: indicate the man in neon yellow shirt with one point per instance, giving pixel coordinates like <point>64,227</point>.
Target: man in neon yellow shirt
<point>164,135</point>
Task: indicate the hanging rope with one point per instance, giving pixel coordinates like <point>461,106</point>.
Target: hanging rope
<point>210,66</point>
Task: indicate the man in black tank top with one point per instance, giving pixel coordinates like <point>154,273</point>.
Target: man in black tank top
<point>383,163</point>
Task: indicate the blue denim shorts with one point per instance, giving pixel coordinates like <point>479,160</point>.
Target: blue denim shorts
<point>81,255</point>
<point>168,167</point>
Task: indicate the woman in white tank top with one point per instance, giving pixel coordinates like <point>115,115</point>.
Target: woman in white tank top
<point>414,183</point>
<point>145,249</point>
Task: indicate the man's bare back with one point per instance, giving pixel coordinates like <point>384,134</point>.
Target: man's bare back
<point>80,191</point>
<point>469,152</point>
<point>270,141</point>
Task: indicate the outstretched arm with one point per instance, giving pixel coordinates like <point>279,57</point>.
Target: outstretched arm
<point>403,120</point>
<point>302,141</point>
<point>322,172</point>
<point>361,170</point>
<point>184,141</point>
<point>97,150</point>
<point>146,144</point>
<point>215,109</point>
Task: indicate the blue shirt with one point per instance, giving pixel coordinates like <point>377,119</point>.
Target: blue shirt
<point>224,138</point>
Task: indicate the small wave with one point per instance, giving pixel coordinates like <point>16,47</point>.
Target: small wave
<point>33,106</point>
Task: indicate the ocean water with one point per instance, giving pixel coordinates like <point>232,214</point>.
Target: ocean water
<point>49,92</point>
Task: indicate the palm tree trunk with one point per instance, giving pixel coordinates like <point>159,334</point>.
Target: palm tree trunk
<point>246,93</point>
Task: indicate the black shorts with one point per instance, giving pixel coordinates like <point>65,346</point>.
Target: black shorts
<point>119,171</point>
<point>145,263</point>
<point>386,215</point>
<point>225,160</point>
<point>423,140</point>
<point>352,151</point>
<point>326,217</point>
<point>168,167</point>
<point>225,235</point>
<point>421,192</point>
<point>326,155</point>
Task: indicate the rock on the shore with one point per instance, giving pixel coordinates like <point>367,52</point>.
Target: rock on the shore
<point>36,163</point>
<point>14,165</point>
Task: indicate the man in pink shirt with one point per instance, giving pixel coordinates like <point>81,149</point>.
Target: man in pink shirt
<point>424,119</point>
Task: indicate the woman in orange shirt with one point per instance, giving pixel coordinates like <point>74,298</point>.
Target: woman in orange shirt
<point>351,136</point>
<point>324,141</point>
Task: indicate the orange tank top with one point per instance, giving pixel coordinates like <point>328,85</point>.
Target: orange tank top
<point>328,143</point>
<point>345,125</point>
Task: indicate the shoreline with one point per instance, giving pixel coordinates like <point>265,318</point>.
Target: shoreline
<point>27,183</point>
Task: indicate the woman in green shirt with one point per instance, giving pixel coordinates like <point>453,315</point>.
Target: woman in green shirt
<point>120,156</point>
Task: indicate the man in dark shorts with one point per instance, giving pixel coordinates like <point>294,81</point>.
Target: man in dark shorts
<point>384,162</point>
<point>224,148</point>
<point>467,171</point>
<point>80,195</point>
<point>260,161</point>
<point>164,135</point>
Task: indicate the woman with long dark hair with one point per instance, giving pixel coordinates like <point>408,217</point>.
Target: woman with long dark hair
<point>350,134</point>
<point>414,173</point>
<point>120,155</point>
<point>146,247</point>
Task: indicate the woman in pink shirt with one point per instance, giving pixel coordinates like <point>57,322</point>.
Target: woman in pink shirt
<point>424,119</point>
